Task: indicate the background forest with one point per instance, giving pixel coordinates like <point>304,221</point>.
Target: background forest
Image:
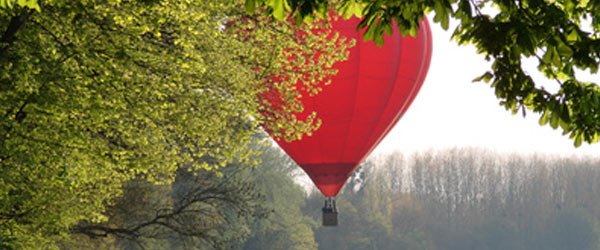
<point>453,199</point>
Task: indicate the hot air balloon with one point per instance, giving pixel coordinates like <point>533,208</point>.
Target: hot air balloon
<point>367,97</point>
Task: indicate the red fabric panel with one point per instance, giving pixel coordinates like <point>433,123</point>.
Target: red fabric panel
<point>370,93</point>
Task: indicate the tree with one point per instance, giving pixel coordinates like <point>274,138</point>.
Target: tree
<point>284,227</point>
<point>368,211</point>
<point>243,208</point>
<point>94,94</point>
<point>563,36</point>
<point>200,210</point>
<point>500,202</point>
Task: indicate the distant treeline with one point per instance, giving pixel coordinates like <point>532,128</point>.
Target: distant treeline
<point>469,199</point>
<point>454,199</point>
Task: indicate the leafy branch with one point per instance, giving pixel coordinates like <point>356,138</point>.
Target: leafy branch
<point>505,32</point>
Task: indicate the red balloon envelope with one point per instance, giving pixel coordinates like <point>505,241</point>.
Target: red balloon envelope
<point>370,93</point>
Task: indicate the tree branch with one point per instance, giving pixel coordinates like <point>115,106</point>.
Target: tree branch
<point>98,231</point>
<point>9,35</point>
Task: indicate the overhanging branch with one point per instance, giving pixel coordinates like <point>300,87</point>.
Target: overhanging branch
<point>9,35</point>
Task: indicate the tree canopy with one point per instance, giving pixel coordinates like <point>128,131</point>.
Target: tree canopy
<point>94,94</point>
<point>563,36</point>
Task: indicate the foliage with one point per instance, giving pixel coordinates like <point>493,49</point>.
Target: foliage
<point>456,199</point>
<point>467,199</point>
<point>285,227</point>
<point>369,211</point>
<point>244,208</point>
<point>95,94</point>
<point>563,36</point>
<point>198,211</point>
<point>417,202</point>
<point>8,4</point>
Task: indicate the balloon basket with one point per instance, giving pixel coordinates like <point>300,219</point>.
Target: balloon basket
<point>330,213</point>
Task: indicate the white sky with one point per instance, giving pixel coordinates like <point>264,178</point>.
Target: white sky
<point>451,111</point>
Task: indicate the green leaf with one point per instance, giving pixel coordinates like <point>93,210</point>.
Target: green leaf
<point>378,39</point>
<point>32,4</point>
<point>369,33</point>
<point>524,39</point>
<point>564,50</point>
<point>278,7</point>
<point>465,6</point>
<point>351,8</point>
<point>441,14</point>
<point>544,118</point>
<point>486,77</point>
<point>250,6</point>
<point>578,140</point>
<point>555,57</point>
<point>8,4</point>
<point>573,36</point>
<point>387,28</point>
<point>554,120</point>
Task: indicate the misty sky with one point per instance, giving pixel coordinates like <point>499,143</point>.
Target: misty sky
<point>452,111</point>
